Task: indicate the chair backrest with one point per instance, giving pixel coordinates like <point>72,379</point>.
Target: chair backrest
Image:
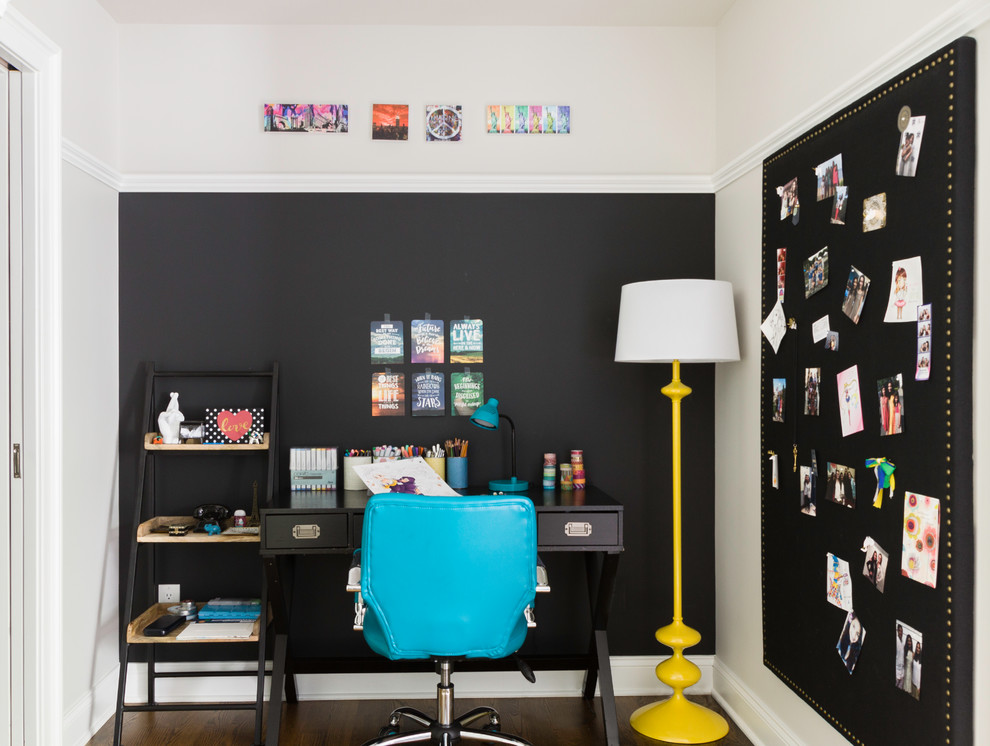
<point>447,576</point>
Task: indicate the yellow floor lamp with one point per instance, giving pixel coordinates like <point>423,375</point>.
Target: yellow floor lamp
<point>677,321</point>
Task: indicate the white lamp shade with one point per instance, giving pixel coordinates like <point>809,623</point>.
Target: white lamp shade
<point>692,321</point>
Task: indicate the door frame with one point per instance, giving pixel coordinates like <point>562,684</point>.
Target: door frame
<point>40,62</point>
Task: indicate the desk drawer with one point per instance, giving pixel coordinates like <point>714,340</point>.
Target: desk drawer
<point>306,531</point>
<point>575,529</point>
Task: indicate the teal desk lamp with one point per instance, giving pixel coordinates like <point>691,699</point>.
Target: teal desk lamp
<point>486,417</point>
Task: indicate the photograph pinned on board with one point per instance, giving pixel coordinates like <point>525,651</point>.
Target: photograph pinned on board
<point>812,392</point>
<point>781,273</point>
<point>779,398</point>
<point>840,486</point>
<point>816,272</point>
<point>906,292</point>
<point>874,212</point>
<point>832,341</point>
<point>389,122</point>
<point>850,401</point>
<point>829,176</point>
<point>790,207</point>
<point>907,659</point>
<point>922,370</point>
<point>838,582</point>
<point>444,123</point>
<point>305,117</point>
<point>909,148</point>
<point>809,500</point>
<point>919,552</point>
<point>875,563</point>
<point>890,392</point>
<point>851,641</point>
<point>857,286</point>
<point>839,206</point>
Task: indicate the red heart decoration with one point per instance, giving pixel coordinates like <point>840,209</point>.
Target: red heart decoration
<point>234,426</point>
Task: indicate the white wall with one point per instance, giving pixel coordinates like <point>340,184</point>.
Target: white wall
<point>642,100</point>
<point>755,41</point>
<point>88,39</point>
<point>778,59</point>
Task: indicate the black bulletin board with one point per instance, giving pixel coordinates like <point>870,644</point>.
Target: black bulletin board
<point>929,216</point>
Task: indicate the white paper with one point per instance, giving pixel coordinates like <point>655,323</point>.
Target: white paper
<point>820,329</point>
<point>906,292</point>
<point>838,584</point>
<point>775,479</point>
<point>409,476</point>
<point>775,326</point>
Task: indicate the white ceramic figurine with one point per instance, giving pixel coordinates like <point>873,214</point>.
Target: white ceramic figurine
<point>170,419</point>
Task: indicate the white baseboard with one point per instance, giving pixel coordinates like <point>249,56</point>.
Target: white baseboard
<point>757,721</point>
<point>88,715</point>
<point>631,676</point>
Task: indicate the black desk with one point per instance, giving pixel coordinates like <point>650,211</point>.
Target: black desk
<point>588,521</point>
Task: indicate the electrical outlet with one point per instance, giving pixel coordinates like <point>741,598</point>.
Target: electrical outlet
<point>168,594</point>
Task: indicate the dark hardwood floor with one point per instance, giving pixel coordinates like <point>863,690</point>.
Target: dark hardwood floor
<point>557,721</point>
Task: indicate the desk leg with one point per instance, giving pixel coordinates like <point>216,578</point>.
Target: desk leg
<point>275,699</point>
<point>599,666</point>
<point>280,631</point>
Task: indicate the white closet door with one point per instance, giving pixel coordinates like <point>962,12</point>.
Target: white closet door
<point>11,405</point>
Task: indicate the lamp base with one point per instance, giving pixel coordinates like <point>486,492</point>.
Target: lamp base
<point>679,720</point>
<point>508,485</point>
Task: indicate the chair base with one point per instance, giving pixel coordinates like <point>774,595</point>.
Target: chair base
<point>431,731</point>
<point>445,730</point>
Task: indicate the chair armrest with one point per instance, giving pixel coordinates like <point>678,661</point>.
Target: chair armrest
<point>542,578</point>
<point>354,586</point>
<point>354,573</point>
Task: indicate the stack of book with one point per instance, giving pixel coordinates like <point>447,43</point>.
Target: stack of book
<point>231,610</point>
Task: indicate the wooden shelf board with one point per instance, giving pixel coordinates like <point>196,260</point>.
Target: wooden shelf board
<point>149,446</point>
<point>145,535</point>
<point>135,628</point>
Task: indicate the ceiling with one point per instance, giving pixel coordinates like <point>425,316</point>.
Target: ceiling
<point>422,12</point>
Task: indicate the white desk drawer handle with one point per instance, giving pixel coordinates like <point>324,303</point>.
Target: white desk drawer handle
<point>306,531</point>
<point>573,528</point>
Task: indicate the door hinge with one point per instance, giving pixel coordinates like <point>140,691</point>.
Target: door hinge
<point>17,460</point>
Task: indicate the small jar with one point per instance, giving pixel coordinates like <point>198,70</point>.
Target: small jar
<point>240,518</point>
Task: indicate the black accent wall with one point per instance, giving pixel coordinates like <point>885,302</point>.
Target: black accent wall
<point>212,281</point>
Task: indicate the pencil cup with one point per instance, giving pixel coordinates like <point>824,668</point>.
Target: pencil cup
<point>351,480</point>
<point>457,472</point>
<point>437,464</point>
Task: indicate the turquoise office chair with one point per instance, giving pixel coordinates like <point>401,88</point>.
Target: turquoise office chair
<point>446,578</point>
